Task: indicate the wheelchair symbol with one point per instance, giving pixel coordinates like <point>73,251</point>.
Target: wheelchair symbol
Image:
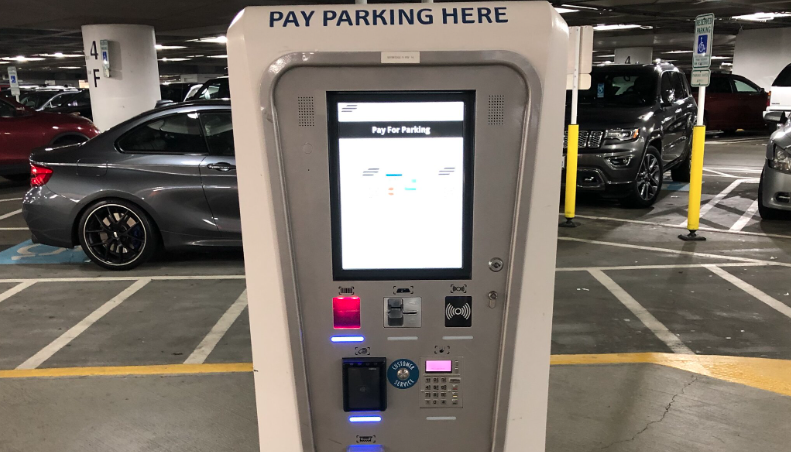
<point>702,44</point>
<point>25,252</point>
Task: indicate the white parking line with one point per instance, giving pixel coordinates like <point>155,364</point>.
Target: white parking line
<point>651,322</point>
<point>202,351</point>
<point>759,295</point>
<point>15,290</point>
<point>720,196</point>
<point>10,214</point>
<point>745,218</point>
<point>659,267</point>
<point>10,199</point>
<point>13,229</point>
<point>47,352</point>
<point>671,251</point>
<point>122,278</point>
<point>720,173</point>
<point>676,226</point>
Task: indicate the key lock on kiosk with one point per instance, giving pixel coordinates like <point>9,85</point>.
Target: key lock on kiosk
<point>398,173</point>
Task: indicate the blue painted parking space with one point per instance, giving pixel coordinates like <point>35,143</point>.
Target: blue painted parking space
<point>28,252</point>
<point>675,186</point>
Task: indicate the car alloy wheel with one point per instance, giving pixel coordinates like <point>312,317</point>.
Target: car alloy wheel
<point>649,177</point>
<point>114,235</point>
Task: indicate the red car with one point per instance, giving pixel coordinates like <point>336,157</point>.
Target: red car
<point>734,102</point>
<point>23,129</point>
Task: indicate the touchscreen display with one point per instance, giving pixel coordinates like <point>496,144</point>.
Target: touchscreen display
<point>400,173</point>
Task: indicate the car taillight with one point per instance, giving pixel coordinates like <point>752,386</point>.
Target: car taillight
<point>39,175</point>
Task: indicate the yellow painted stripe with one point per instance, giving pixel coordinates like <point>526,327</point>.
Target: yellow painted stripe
<point>768,374</point>
<point>166,369</point>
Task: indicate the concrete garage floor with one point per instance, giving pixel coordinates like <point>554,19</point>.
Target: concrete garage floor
<point>658,345</point>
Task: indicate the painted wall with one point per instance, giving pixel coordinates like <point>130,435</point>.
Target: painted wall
<point>761,54</point>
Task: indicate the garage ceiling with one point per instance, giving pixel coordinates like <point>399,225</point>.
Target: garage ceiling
<point>34,27</point>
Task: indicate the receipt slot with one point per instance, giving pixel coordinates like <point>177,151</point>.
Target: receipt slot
<point>398,173</point>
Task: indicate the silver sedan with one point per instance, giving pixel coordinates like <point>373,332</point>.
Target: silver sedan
<point>165,179</point>
<point>774,191</point>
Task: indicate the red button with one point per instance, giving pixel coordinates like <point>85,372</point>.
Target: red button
<point>346,313</point>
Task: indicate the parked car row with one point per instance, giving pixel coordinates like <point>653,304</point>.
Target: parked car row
<point>107,196</point>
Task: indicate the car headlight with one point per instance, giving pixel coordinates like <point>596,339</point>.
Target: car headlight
<point>622,134</point>
<point>781,160</point>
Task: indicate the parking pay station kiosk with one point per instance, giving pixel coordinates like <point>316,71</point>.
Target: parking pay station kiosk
<point>398,168</point>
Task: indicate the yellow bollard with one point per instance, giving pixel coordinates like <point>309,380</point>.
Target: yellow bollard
<point>571,174</point>
<point>695,183</point>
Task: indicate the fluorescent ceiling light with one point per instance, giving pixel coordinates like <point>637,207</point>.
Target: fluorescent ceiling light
<point>726,64</point>
<point>216,39</point>
<point>195,56</point>
<point>610,55</point>
<point>580,7</point>
<point>761,17</point>
<point>70,67</point>
<point>22,59</point>
<point>218,56</point>
<point>721,58</point>
<point>173,59</point>
<point>162,47</point>
<point>678,51</point>
<point>565,10</point>
<point>603,27</point>
<point>61,55</point>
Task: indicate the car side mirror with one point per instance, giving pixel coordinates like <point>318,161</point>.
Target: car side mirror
<point>668,98</point>
<point>163,102</point>
<point>775,117</point>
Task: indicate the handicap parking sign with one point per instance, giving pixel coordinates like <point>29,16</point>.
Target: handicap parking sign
<point>703,44</point>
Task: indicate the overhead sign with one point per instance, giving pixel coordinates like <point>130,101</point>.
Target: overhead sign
<point>105,49</point>
<point>701,77</point>
<point>704,41</point>
<point>12,78</point>
<point>585,59</point>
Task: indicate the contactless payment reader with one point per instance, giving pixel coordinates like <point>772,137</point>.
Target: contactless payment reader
<point>398,173</point>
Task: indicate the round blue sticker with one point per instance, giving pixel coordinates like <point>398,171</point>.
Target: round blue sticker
<point>403,373</point>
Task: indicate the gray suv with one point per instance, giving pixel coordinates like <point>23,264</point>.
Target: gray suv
<point>636,123</point>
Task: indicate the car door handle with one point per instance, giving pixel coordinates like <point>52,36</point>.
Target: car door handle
<point>222,166</point>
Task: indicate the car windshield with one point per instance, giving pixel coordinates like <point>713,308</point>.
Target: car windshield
<point>213,89</point>
<point>35,99</point>
<point>784,78</point>
<point>66,99</point>
<point>619,89</point>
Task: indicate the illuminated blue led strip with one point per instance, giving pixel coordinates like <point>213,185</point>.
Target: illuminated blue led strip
<point>347,338</point>
<point>357,419</point>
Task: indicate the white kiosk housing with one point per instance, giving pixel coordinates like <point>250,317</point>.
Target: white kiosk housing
<point>399,167</point>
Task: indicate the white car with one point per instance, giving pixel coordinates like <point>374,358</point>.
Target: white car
<point>780,96</point>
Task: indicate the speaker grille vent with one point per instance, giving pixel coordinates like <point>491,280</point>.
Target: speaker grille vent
<point>496,109</point>
<point>307,116</point>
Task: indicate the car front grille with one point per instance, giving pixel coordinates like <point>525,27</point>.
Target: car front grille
<point>590,139</point>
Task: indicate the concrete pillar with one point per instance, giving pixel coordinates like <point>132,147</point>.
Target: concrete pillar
<point>760,55</point>
<point>133,83</point>
<point>634,55</point>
